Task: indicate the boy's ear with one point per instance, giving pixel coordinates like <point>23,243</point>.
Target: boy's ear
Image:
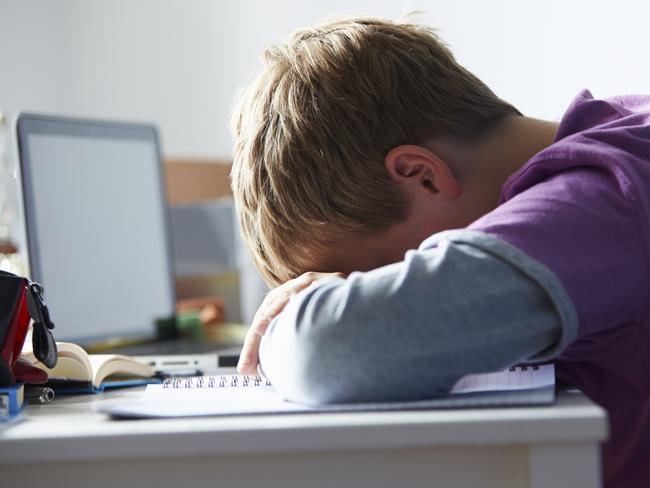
<point>418,169</point>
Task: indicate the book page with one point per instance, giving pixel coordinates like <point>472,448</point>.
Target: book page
<point>72,363</point>
<point>106,365</point>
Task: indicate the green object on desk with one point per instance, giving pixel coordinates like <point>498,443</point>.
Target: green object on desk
<point>190,326</point>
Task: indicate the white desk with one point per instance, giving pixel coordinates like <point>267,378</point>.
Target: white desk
<point>66,444</point>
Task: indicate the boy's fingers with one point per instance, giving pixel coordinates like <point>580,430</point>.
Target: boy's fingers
<point>273,304</point>
<point>294,286</point>
<point>249,356</point>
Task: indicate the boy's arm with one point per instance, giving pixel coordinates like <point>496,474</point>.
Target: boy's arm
<point>473,303</point>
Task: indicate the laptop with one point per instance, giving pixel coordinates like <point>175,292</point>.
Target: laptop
<point>99,240</point>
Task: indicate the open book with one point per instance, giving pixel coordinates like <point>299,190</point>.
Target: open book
<point>77,371</point>
<point>239,395</point>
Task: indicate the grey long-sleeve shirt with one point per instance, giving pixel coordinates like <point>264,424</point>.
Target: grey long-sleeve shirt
<point>465,302</point>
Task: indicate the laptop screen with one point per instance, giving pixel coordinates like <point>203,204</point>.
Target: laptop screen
<point>97,226</point>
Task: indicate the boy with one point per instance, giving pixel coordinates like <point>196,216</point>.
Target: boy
<point>358,148</point>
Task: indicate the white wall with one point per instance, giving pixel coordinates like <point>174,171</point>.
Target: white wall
<point>179,62</point>
<point>32,56</point>
<point>538,55</point>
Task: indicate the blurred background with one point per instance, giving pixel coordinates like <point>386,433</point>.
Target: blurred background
<point>178,64</point>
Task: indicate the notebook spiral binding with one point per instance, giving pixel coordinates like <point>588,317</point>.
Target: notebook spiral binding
<point>243,381</point>
<point>228,381</point>
<point>524,367</point>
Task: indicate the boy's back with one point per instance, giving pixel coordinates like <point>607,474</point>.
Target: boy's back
<point>582,208</point>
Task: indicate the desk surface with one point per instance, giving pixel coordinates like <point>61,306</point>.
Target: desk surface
<point>67,443</point>
<point>69,429</point>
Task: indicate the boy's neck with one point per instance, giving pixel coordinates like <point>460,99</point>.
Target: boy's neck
<point>483,168</point>
<point>515,143</point>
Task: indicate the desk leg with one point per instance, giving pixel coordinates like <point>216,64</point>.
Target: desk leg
<point>574,465</point>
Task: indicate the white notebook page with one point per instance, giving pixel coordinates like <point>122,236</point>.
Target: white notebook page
<point>236,395</point>
<point>516,378</point>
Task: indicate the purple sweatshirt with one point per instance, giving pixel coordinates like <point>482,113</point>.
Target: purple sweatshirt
<point>558,271</point>
<point>581,207</point>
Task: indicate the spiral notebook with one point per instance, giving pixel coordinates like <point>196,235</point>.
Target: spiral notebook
<point>245,395</point>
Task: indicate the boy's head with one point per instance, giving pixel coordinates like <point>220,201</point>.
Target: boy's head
<point>313,131</point>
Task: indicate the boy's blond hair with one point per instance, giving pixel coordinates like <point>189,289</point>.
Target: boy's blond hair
<point>311,133</point>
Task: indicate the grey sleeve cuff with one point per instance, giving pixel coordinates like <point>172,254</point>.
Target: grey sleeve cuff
<point>544,277</point>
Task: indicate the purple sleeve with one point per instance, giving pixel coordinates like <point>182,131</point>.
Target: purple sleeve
<point>583,228</point>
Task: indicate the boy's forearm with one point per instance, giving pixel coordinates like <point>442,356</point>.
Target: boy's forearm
<point>412,329</point>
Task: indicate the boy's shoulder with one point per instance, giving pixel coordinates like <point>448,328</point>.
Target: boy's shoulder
<point>581,208</point>
<point>610,135</point>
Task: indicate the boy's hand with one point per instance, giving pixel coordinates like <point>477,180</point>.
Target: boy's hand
<point>272,305</point>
